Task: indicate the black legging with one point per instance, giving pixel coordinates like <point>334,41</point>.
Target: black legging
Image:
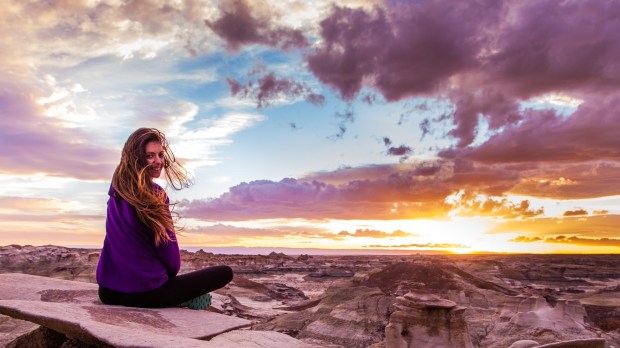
<point>175,291</point>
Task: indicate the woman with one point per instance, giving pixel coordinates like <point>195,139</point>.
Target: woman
<point>140,258</point>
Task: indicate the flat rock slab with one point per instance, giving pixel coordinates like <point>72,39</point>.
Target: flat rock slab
<point>259,339</point>
<point>73,309</point>
<point>68,318</point>
<point>17,286</point>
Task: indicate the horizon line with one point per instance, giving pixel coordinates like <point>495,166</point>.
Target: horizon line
<point>245,250</point>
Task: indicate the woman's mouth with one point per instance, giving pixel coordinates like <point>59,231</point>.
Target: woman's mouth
<point>155,172</point>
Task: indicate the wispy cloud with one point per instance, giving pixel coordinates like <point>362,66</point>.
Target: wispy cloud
<point>34,142</point>
<point>374,234</point>
<point>422,246</point>
<point>615,242</point>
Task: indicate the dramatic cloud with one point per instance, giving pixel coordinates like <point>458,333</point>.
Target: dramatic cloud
<point>480,206</point>
<point>379,193</point>
<point>591,133</point>
<point>290,198</point>
<point>485,57</point>
<point>570,181</point>
<point>404,51</point>
<point>269,89</point>
<point>427,189</point>
<point>510,106</point>
<point>67,34</point>
<point>238,26</point>
<point>577,49</point>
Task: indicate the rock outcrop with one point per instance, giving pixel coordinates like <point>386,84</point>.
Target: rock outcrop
<point>71,311</point>
<point>425,320</point>
<point>11,329</point>
<point>535,311</point>
<point>579,343</point>
<point>546,322</point>
<point>351,317</point>
<point>50,261</point>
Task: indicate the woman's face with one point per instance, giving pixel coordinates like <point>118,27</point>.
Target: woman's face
<point>154,158</point>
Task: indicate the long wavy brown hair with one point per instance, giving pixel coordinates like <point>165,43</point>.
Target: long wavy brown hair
<point>132,182</point>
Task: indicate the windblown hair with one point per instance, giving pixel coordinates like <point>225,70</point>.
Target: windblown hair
<point>132,182</point>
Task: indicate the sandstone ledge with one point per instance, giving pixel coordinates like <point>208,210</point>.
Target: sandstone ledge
<point>73,309</point>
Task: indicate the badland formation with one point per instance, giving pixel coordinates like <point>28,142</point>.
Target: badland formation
<point>417,300</point>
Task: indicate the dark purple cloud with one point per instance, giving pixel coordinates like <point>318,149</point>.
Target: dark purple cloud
<point>269,88</point>
<point>388,192</point>
<point>484,56</point>
<point>405,50</point>
<point>239,26</point>
<point>556,45</point>
<point>590,133</point>
<point>290,198</point>
<point>408,191</point>
<point>401,150</point>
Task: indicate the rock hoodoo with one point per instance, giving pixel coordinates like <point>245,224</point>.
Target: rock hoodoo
<point>425,320</point>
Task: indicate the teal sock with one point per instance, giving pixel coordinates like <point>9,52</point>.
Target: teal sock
<point>200,302</point>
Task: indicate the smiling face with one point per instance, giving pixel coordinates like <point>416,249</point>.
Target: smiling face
<point>154,158</point>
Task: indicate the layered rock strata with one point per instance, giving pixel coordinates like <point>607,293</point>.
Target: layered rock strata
<point>535,311</point>
<point>425,320</point>
<point>351,317</point>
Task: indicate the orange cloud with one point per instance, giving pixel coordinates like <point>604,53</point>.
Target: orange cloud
<point>374,233</point>
<point>223,234</point>
<point>595,226</point>
<point>578,212</point>
<point>561,239</point>
<point>498,207</point>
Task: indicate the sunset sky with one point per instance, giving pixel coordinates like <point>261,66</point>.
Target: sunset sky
<point>461,126</point>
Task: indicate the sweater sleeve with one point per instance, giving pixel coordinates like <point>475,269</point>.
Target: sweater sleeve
<point>169,254</point>
<point>168,251</point>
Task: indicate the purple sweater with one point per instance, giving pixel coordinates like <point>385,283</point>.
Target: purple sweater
<point>130,262</point>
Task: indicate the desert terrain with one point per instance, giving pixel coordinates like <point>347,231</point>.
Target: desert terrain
<point>417,300</point>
